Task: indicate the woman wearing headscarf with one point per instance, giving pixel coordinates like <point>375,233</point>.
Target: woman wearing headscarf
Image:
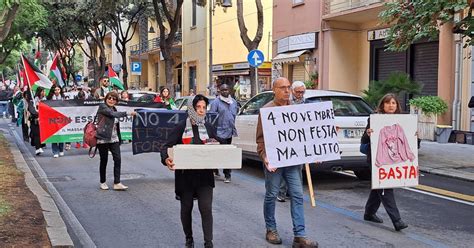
<point>193,183</point>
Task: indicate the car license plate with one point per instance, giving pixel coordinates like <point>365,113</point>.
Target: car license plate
<point>353,133</point>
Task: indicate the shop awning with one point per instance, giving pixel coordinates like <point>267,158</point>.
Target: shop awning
<point>290,57</point>
<point>231,73</point>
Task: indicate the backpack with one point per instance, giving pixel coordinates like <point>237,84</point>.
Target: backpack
<point>90,131</point>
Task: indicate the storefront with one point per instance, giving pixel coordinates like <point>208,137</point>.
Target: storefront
<point>234,73</point>
<point>296,57</point>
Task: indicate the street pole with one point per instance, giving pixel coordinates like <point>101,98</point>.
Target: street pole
<point>211,4</point>
<point>257,88</point>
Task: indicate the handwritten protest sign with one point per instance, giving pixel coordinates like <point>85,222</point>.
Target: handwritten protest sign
<point>151,128</point>
<point>394,151</point>
<point>298,134</point>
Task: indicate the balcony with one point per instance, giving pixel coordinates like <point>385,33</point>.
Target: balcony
<point>152,45</point>
<point>354,11</point>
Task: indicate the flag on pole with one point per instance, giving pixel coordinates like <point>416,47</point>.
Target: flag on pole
<point>55,72</point>
<point>35,77</point>
<point>37,61</point>
<point>114,79</point>
<point>19,83</point>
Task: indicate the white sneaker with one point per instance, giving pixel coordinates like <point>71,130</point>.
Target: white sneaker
<point>104,186</point>
<point>120,186</point>
<point>61,154</point>
<point>55,156</point>
<point>39,151</point>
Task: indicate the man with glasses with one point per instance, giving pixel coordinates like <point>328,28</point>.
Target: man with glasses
<point>101,92</point>
<point>273,177</point>
<point>297,97</point>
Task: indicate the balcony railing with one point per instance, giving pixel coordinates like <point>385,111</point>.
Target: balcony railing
<point>151,45</point>
<point>336,6</point>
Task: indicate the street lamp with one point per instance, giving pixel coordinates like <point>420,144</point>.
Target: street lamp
<point>212,6</point>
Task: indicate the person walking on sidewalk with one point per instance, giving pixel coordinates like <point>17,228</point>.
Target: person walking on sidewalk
<point>193,183</point>
<point>297,97</point>
<point>273,176</point>
<point>58,148</point>
<point>34,120</point>
<point>389,104</point>
<point>108,138</point>
<point>226,107</point>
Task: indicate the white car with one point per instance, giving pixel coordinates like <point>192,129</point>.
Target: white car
<point>351,113</point>
<point>141,96</point>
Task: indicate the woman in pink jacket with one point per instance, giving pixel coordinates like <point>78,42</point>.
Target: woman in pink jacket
<point>389,104</point>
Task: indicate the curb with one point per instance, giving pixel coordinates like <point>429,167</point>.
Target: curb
<point>55,226</point>
<point>449,173</point>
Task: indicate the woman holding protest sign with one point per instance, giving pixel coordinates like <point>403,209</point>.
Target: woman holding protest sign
<point>190,183</point>
<point>389,104</point>
<point>108,138</point>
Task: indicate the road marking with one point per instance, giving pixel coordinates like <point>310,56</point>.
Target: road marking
<point>427,190</point>
<point>448,193</point>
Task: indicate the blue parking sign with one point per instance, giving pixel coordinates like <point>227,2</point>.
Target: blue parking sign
<point>136,68</point>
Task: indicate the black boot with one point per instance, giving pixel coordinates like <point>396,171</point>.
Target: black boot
<point>189,243</point>
<point>399,225</point>
<point>208,244</point>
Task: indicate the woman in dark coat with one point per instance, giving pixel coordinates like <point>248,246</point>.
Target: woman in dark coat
<point>389,104</point>
<point>108,138</point>
<point>193,183</point>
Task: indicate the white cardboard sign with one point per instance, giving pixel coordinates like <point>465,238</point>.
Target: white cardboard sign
<point>206,156</point>
<point>298,134</point>
<point>394,150</point>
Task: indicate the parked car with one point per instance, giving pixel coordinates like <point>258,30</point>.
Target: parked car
<point>182,102</point>
<point>141,96</point>
<point>351,113</point>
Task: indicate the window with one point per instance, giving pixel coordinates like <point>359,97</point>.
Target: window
<point>193,24</point>
<point>298,2</point>
<point>253,106</point>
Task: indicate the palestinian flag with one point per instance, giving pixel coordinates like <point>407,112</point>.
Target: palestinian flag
<point>35,77</point>
<point>55,72</point>
<point>37,61</point>
<point>19,83</point>
<point>114,79</point>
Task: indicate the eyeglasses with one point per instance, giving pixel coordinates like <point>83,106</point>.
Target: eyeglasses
<point>299,92</point>
<point>111,98</point>
<point>105,80</point>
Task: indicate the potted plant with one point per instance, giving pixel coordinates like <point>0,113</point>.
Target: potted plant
<point>428,108</point>
<point>312,83</point>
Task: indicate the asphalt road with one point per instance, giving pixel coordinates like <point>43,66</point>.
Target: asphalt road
<point>147,215</point>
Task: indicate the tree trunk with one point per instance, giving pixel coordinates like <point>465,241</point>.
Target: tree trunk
<point>250,44</point>
<point>169,64</point>
<point>9,21</point>
<point>124,66</point>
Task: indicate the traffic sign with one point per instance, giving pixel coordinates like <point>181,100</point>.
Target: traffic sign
<point>255,58</point>
<point>136,68</point>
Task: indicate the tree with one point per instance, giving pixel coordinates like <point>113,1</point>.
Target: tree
<point>7,15</point>
<point>250,44</point>
<point>123,11</point>
<point>29,18</point>
<point>413,20</point>
<point>169,12</point>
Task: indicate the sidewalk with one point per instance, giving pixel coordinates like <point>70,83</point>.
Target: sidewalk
<point>450,159</point>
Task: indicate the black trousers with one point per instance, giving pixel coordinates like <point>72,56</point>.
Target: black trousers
<point>24,130</point>
<point>35,135</point>
<point>104,149</point>
<point>204,195</point>
<point>387,198</point>
<point>226,171</point>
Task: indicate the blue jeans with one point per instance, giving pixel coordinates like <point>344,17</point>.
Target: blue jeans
<point>57,148</point>
<point>292,177</point>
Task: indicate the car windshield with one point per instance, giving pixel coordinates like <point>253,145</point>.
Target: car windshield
<point>140,97</point>
<point>345,105</point>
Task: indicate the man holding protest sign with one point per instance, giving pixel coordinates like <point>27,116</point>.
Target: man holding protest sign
<point>273,176</point>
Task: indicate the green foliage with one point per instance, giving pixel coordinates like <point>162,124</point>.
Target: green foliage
<point>397,82</point>
<point>430,105</point>
<point>413,20</point>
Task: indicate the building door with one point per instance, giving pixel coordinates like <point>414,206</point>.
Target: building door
<point>298,72</point>
<point>424,66</point>
<point>192,78</point>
